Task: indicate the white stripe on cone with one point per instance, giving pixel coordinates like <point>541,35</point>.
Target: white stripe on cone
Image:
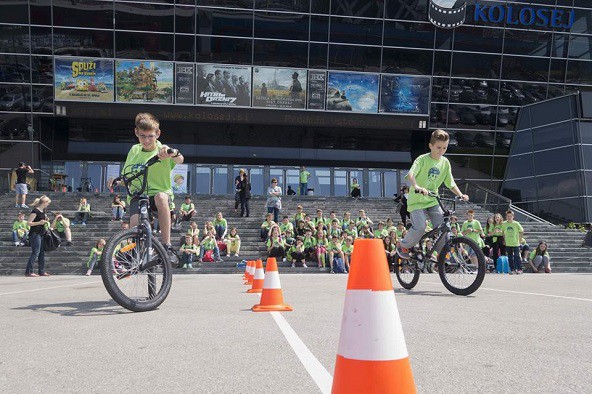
<point>252,269</point>
<point>259,274</point>
<point>371,328</point>
<point>272,280</point>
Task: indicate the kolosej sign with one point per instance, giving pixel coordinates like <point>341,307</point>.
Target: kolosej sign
<point>449,14</point>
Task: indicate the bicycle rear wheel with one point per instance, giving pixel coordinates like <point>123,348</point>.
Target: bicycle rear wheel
<point>407,273</point>
<point>135,290</point>
<point>462,266</point>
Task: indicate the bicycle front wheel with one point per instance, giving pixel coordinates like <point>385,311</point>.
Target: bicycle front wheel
<point>407,273</point>
<point>461,266</point>
<point>134,289</point>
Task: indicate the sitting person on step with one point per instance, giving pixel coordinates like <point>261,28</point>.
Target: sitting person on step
<point>540,259</point>
<point>221,226</point>
<point>83,213</point>
<point>189,252</point>
<point>117,208</point>
<point>186,211</point>
<point>95,256</point>
<point>209,244</point>
<point>62,226</point>
<point>233,242</point>
<point>276,247</point>
<point>297,254</point>
<point>266,226</point>
<point>20,230</point>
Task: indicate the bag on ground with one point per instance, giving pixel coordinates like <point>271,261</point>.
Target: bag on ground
<point>222,247</point>
<point>502,265</point>
<point>208,256</point>
<point>338,265</point>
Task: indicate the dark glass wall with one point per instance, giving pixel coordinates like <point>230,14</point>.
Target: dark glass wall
<point>482,72</point>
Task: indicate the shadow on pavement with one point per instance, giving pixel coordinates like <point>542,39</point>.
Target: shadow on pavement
<point>425,293</point>
<point>82,308</point>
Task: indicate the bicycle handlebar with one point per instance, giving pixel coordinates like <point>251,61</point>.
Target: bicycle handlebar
<point>440,199</point>
<point>126,181</point>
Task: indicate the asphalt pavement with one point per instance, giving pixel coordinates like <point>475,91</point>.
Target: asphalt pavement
<point>526,334</point>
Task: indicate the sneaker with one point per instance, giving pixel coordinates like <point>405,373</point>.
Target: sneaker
<point>304,265</point>
<point>284,260</point>
<point>189,266</point>
<point>403,252</point>
<point>24,206</point>
<point>236,255</point>
<point>84,223</point>
<point>184,266</point>
<point>88,273</point>
<point>218,260</point>
<point>293,265</point>
<point>17,206</point>
<point>22,244</point>
<point>17,243</point>
<point>511,273</point>
<point>32,275</point>
<point>519,272</point>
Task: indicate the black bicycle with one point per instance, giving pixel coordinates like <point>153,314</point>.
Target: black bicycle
<point>135,266</point>
<point>460,263</point>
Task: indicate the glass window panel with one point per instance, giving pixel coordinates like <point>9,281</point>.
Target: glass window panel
<point>202,180</point>
<point>557,186</point>
<point>438,114</point>
<point>560,45</point>
<point>520,189</point>
<point>78,42</point>
<point>15,11</point>
<point>225,22</point>
<point>391,185</point>
<point>499,168</point>
<point>279,175</point>
<point>580,47</point>
<point>340,185</point>
<point>520,167</point>
<point>220,180</point>
<point>13,127</point>
<point>293,178</point>
<point>522,142</point>
<point>73,170</point>
<point>401,9</point>
<point>407,34</point>
<point>471,167</point>
<point>503,141</point>
<point>42,69</point>
<point>440,89</point>
<point>582,20</point>
<point>477,39</point>
<point>557,70</point>
<point>444,38</point>
<point>525,68</point>
<point>151,1</point>
<point>185,2</point>
<point>317,55</point>
<point>567,209</point>
<point>505,118</point>
<point>523,121</point>
<point>15,68</point>
<point>555,160</point>
<point>227,3</point>
<point>528,43</point>
<point>94,172</point>
<point>358,58</point>
<point>586,135</point>
<point>356,31</point>
<point>44,95</point>
<point>292,5</point>
<point>185,19</point>
<point>319,28</point>
<point>407,61</point>
<point>474,91</point>
<point>41,40</point>
<point>475,65</point>
<point>556,91</point>
<point>40,12</point>
<point>132,45</point>
<point>14,39</point>
<point>587,159</point>
<point>281,26</point>
<point>12,98</point>
<point>184,48</point>
<point>552,111</point>
<point>280,53</point>
<point>468,116</point>
<point>320,181</point>
<point>224,50</point>
<point>359,8</point>
<point>551,136</point>
<point>442,61</point>
<point>256,179</point>
<point>471,142</point>
<point>145,17</point>
<point>83,13</point>
<point>588,176</point>
<point>375,183</point>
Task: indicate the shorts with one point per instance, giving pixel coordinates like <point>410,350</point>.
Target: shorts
<point>133,206</point>
<point>21,188</point>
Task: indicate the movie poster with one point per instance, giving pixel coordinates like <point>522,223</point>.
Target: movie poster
<point>317,89</point>
<point>184,91</point>
<point>179,179</point>
<point>143,81</point>
<point>354,92</point>
<point>218,84</point>
<point>279,87</point>
<point>82,79</point>
<point>404,94</point>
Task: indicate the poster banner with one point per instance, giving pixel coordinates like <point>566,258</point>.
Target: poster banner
<point>317,89</point>
<point>354,92</point>
<point>404,94</point>
<point>184,77</point>
<point>179,179</point>
<point>83,79</point>
<point>143,81</point>
<point>218,84</point>
<point>112,173</point>
<point>279,87</point>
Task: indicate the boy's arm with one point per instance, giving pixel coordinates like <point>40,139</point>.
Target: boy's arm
<point>417,188</point>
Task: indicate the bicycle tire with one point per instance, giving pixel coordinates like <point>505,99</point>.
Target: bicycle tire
<point>446,268</point>
<point>407,273</point>
<point>155,291</point>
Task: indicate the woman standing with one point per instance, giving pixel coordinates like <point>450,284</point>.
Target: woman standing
<point>274,199</point>
<point>244,193</point>
<point>402,200</point>
<point>37,221</point>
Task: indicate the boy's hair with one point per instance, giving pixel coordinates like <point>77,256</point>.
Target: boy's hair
<point>20,213</point>
<point>319,210</point>
<point>439,135</point>
<point>331,212</point>
<point>401,224</point>
<point>299,207</point>
<point>285,217</point>
<point>381,223</point>
<point>145,121</point>
<point>470,211</point>
<point>187,197</point>
<point>509,212</point>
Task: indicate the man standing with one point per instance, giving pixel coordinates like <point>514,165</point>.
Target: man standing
<point>304,175</point>
<point>21,184</point>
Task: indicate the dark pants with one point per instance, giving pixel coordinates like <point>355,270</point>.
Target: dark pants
<point>237,200</point>
<point>304,189</point>
<point>276,213</point>
<point>264,233</point>
<point>220,231</point>
<point>277,252</point>
<point>404,216</point>
<point>82,217</point>
<point>499,249</point>
<point>36,252</point>
<point>356,193</point>
<point>514,257</point>
<point>187,258</point>
<point>244,203</point>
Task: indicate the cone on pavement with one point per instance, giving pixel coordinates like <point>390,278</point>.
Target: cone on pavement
<point>246,269</point>
<point>372,356</point>
<point>258,278</point>
<point>250,271</point>
<point>272,297</point>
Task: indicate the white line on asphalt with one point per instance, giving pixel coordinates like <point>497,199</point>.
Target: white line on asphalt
<point>47,288</point>
<point>525,293</point>
<point>315,369</point>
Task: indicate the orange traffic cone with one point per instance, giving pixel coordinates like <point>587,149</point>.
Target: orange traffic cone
<point>257,278</point>
<point>246,270</point>
<point>272,298</point>
<point>372,356</point>
<point>249,279</point>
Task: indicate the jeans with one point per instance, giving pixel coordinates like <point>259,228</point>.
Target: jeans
<point>36,252</point>
<point>264,233</point>
<point>220,230</point>
<point>304,189</point>
<point>82,217</point>
<point>514,257</point>
<point>276,213</point>
<point>117,213</point>
<point>187,258</point>
<point>92,262</point>
<point>244,203</point>
<point>16,238</point>
<point>418,225</point>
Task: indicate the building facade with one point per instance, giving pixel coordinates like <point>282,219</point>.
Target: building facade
<point>350,88</point>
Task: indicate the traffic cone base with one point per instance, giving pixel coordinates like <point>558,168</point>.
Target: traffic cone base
<point>272,299</point>
<point>360,376</point>
<point>258,278</point>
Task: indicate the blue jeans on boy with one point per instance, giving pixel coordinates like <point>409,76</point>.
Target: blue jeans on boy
<point>276,213</point>
<point>16,238</point>
<point>36,252</point>
<point>304,189</point>
<point>514,258</point>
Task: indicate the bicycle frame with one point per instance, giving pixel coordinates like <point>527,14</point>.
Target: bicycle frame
<point>442,230</point>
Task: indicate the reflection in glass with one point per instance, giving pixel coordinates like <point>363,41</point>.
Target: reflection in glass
<point>131,45</point>
<point>478,39</point>
<point>525,68</point>
<point>41,40</point>
<point>225,22</point>
<point>340,183</point>
<point>281,26</point>
<point>223,50</point>
<point>83,13</point>
<point>408,34</point>
<point>78,42</point>
<point>220,180</point>
<point>358,8</point>
<point>291,5</point>
<point>359,58</point>
<point>184,48</point>
<point>475,65</point>
<point>14,39</point>
<point>280,53</point>
<point>406,61</point>
<point>185,19</point>
<point>356,31</point>
<point>202,180</point>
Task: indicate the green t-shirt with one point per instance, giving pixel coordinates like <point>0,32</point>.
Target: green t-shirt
<point>159,174</point>
<point>352,232</point>
<point>94,251</point>
<point>347,222</point>
<point>347,249</point>
<point>332,247</point>
<point>21,227</point>
<point>304,175</point>
<point>318,220</point>
<point>331,221</point>
<point>309,242</point>
<point>267,225</point>
<point>354,186</point>
<point>472,225</point>
<point>60,225</point>
<point>193,232</point>
<point>299,216</point>
<point>533,255</point>
<point>187,207</point>
<point>187,247</point>
<point>222,222</point>
<point>429,174</point>
<point>335,231</point>
<point>362,222</point>
<point>512,233</point>
<point>275,242</point>
<point>287,228</point>
<point>209,243</point>
<point>399,232</point>
<point>498,232</point>
<point>381,233</point>
<point>84,207</point>
<point>172,205</point>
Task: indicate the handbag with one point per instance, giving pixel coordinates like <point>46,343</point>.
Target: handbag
<point>51,240</point>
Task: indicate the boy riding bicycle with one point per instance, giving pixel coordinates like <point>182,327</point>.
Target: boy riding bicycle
<point>159,188</point>
<point>426,175</point>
